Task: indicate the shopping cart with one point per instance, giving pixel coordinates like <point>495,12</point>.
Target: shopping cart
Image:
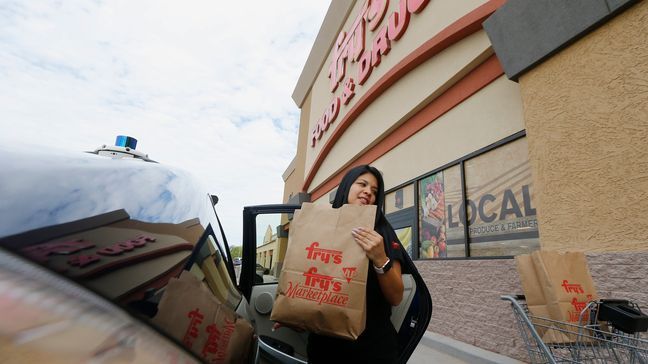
<point>607,331</point>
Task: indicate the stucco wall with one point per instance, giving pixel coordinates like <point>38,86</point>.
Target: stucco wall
<point>586,115</point>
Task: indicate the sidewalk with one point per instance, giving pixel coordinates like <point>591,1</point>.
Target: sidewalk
<point>435,348</point>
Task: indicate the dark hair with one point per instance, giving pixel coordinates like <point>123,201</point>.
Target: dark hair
<point>381,226</point>
<point>342,194</point>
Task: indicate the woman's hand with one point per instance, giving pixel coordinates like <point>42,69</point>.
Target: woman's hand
<point>278,325</point>
<point>372,243</point>
<point>391,283</point>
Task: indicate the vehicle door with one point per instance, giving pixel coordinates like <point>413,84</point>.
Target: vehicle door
<point>265,239</point>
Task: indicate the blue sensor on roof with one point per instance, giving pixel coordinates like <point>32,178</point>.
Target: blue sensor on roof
<point>126,141</point>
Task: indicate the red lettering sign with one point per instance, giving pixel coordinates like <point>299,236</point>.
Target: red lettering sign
<point>381,46</point>
<point>118,248</point>
<point>398,22</point>
<point>376,12</point>
<point>40,252</point>
<point>416,6</point>
<point>348,92</point>
<point>83,260</point>
<point>350,46</point>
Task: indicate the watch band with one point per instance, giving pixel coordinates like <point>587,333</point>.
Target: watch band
<point>385,268</point>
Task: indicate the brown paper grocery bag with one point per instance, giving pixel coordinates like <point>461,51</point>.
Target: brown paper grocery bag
<point>549,331</point>
<point>557,287</point>
<point>566,283</point>
<point>189,312</point>
<point>322,287</point>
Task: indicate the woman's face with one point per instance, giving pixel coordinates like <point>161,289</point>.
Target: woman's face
<point>364,190</point>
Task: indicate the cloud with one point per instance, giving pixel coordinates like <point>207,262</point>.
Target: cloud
<point>203,85</point>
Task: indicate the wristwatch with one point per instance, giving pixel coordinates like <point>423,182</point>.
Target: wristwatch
<point>385,268</point>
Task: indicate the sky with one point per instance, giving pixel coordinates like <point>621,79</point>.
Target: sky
<point>204,85</point>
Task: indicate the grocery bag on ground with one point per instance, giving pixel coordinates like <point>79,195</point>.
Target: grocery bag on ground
<point>322,287</point>
<point>190,313</point>
<point>557,286</point>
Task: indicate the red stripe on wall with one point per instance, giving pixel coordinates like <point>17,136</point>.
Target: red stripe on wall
<point>455,32</point>
<point>474,81</point>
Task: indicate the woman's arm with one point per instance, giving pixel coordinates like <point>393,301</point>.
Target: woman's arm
<point>391,283</point>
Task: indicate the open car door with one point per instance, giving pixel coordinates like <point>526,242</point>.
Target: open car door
<point>265,240</point>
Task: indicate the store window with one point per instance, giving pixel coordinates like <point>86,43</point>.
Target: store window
<point>401,214</point>
<point>440,233</point>
<point>499,190</point>
<point>400,199</point>
<point>405,237</point>
<point>498,216</point>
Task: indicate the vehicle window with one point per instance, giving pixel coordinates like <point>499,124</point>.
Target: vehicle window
<point>271,243</point>
<point>208,265</point>
<point>210,216</point>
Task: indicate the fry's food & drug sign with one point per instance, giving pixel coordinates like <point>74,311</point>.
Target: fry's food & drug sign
<point>350,46</point>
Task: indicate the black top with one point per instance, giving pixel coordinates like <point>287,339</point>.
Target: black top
<point>378,309</point>
<point>378,343</point>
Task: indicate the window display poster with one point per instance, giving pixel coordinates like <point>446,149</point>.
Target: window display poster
<point>432,217</point>
<point>405,237</point>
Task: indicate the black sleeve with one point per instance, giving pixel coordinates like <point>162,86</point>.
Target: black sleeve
<point>393,247</point>
<point>395,250</point>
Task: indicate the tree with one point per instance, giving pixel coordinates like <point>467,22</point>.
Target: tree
<point>236,251</point>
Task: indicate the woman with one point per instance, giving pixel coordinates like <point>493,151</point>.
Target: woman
<point>363,185</point>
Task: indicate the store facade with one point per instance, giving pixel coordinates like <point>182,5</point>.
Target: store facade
<point>474,172</point>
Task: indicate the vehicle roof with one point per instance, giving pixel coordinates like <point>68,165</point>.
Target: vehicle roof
<point>45,187</point>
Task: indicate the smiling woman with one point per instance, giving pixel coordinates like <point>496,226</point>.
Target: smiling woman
<point>363,185</point>
<point>363,190</point>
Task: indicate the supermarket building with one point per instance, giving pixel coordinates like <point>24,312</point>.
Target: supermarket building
<point>501,127</point>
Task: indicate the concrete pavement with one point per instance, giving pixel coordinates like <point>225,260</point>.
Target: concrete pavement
<point>435,348</point>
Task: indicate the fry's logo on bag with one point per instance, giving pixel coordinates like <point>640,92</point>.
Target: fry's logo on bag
<point>324,254</point>
<point>576,288</point>
<point>212,344</point>
<point>215,346</point>
<point>192,329</point>
<point>349,273</point>
<point>579,306</point>
<point>317,295</point>
<point>324,281</point>
<point>318,288</point>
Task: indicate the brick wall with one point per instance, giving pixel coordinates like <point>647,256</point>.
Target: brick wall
<point>467,307</point>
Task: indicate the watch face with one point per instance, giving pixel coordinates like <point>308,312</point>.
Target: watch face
<point>384,268</point>
<point>387,267</point>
